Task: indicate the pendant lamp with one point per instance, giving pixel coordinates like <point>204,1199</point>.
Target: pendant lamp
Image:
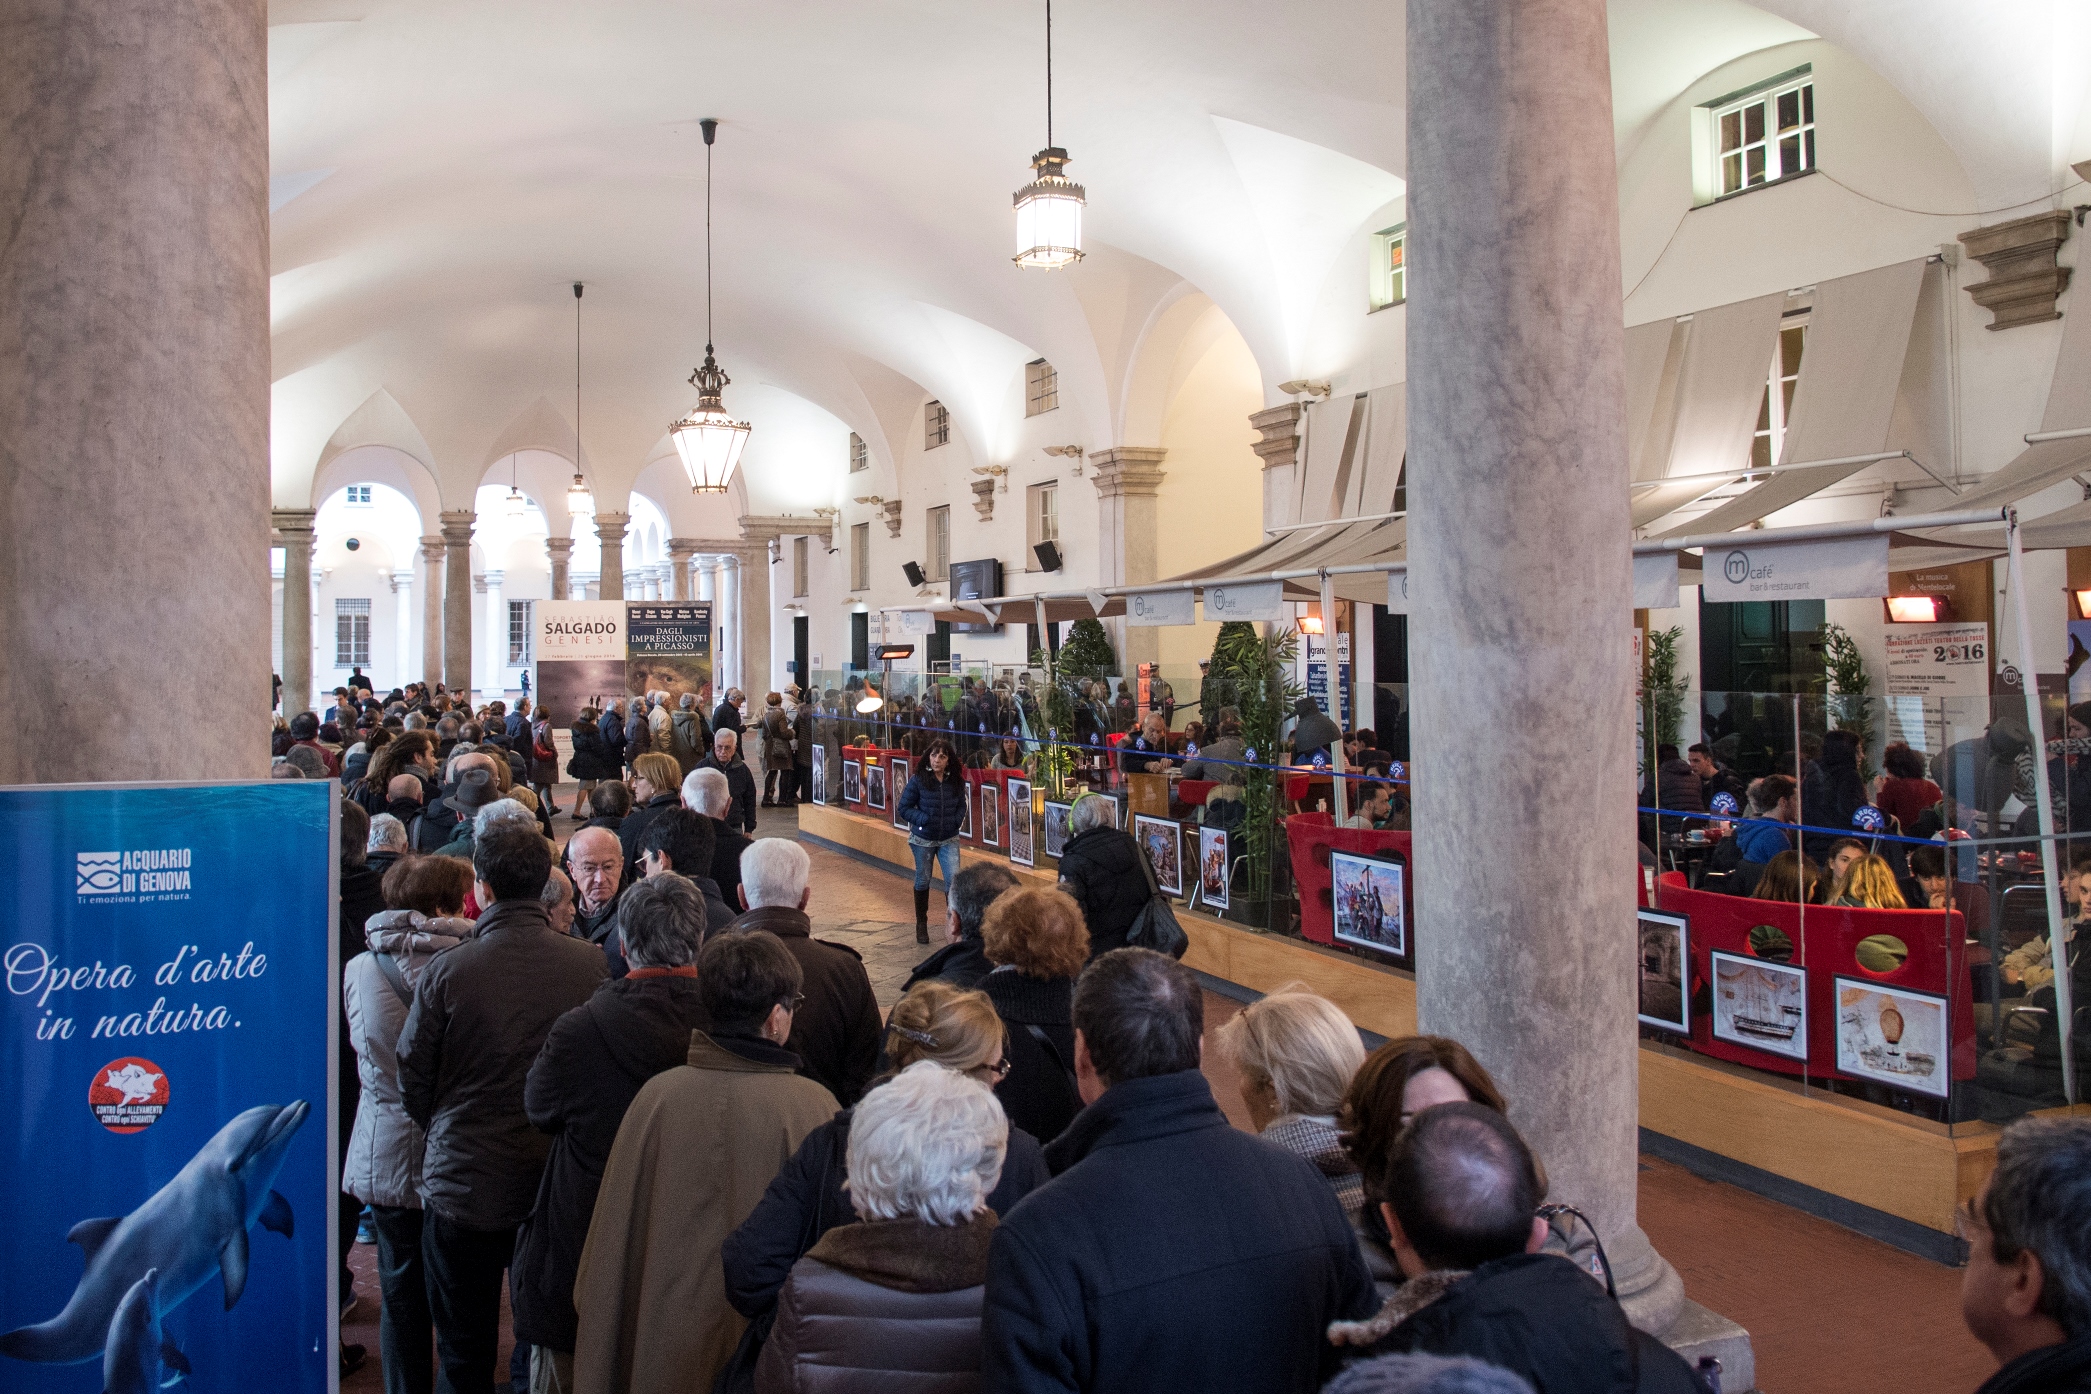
<point>516,505</point>
<point>579,502</point>
<point>1049,208</point>
<point>709,441</point>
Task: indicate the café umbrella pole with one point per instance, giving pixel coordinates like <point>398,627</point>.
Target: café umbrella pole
<point>2050,849</point>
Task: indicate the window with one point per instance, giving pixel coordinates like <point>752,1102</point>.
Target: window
<point>351,633</point>
<point>940,544</point>
<point>1755,137</point>
<point>519,631</point>
<point>1777,407</point>
<point>859,453</point>
<point>798,566</point>
<point>1041,387</point>
<point>1390,277</point>
<point>359,493</point>
<point>860,556</point>
<point>1042,510</point>
<point>936,426</point>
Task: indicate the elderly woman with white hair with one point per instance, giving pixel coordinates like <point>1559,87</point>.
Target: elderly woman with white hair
<point>896,1299</point>
<point>1296,1054</point>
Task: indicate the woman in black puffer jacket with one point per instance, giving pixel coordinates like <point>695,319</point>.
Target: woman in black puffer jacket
<point>1832,793</point>
<point>592,760</point>
<point>933,807</point>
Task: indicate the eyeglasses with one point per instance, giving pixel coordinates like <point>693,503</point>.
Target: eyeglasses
<point>798,1000</point>
<point>1000,1069</point>
<point>1966,1221</point>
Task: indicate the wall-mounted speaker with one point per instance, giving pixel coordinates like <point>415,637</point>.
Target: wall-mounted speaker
<point>1048,554</point>
<point>913,571</point>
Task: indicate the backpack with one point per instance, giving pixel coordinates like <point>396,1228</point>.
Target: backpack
<point>1155,927</point>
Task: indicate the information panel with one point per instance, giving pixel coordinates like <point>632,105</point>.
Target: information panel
<point>668,647</point>
<point>166,1037</point>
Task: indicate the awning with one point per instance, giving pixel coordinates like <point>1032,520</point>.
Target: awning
<point>1720,386</point>
<point>2046,462</point>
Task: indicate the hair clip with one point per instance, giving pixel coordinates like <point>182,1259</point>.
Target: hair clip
<point>920,1038</point>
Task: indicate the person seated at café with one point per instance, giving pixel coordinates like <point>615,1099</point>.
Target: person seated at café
<point>1868,883</point>
<point>1714,776</point>
<point>1901,791</point>
<point>1220,761</point>
<point>1147,752</point>
<point>1935,890</point>
<point>1790,877</point>
<point>1843,852</point>
<point>2031,966</point>
<point>1009,754</point>
<point>1375,805</point>
<point>1314,732</point>
<point>1764,836</point>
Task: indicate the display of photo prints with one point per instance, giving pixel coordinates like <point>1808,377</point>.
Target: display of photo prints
<point>1162,840</point>
<point>1367,902</point>
<point>875,786</point>
<point>820,779</point>
<point>965,812</point>
<point>1056,827</point>
<point>1665,954</point>
<point>990,814</point>
<point>1893,1036</point>
<point>1212,867</point>
<point>901,770</point>
<point>1760,1004</point>
<point>1020,822</point>
<point>852,781</point>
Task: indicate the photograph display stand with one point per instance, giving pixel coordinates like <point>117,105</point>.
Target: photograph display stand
<point>1665,969</point>
<point>1368,897</point>
<point>1760,1004</point>
<point>902,771</point>
<point>820,779</point>
<point>1056,833</point>
<point>853,782</point>
<point>1021,829</point>
<point>875,777</point>
<point>1213,870</point>
<point>1162,841</point>
<point>990,813</point>
<point>1892,1036</point>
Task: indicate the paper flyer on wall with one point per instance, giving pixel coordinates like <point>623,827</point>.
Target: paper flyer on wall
<point>166,1036</point>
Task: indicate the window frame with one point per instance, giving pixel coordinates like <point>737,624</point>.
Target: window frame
<point>1709,184</point>
<point>936,425</point>
<point>1034,515</point>
<point>521,632</point>
<point>938,533</point>
<point>1775,408</point>
<point>1041,388</point>
<point>859,454</point>
<point>358,495</point>
<point>800,567</point>
<point>860,556</point>
<point>352,633</point>
<point>1389,284</point>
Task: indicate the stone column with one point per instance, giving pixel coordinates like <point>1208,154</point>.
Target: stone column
<point>1128,480</point>
<point>293,533</point>
<point>134,392</point>
<point>1278,446</point>
<point>1520,593</point>
<point>432,554</point>
<point>707,578</point>
<point>680,552</point>
<point>497,635</point>
<point>726,624</point>
<point>403,619</point>
<point>609,527</point>
<point>560,550</point>
<point>457,600</point>
<point>752,654</point>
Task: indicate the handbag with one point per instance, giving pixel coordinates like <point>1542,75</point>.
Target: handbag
<point>1155,927</point>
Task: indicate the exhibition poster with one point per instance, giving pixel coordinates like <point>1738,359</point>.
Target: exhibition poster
<point>168,1035</point>
<point>1317,660</point>
<point>668,647</point>
<point>580,656</point>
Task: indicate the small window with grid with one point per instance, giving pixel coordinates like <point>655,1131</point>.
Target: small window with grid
<point>936,426</point>
<point>860,556</point>
<point>359,493</point>
<point>1041,387</point>
<point>1390,277</point>
<point>1769,441</point>
<point>940,543</point>
<point>1765,135</point>
<point>519,631</point>
<point>859,453</point>
<point>351,633</point>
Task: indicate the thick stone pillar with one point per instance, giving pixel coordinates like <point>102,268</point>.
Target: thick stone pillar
<point>457,600</point>
<point>1128,483</point>
<point>609,527</point>
<point>1520,591</point>
<point>134,391</point>
<point>432,610</point>
<point>726,619</point>
<point>680,552</point>
<point>707,578</point>
<point>561,551</point>
<point>752,654</point>
<point>293,533</point>
<point>497,635</point>
<point>403,620</point>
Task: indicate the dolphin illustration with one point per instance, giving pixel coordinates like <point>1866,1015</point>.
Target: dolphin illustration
<point>138,1354</point>
<point>194,1226</point>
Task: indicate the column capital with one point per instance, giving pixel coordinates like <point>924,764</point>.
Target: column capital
<point>984,497</point>
<point>479,584</point>
<point>457,526</point>
<point>1127,469</point>
<point>681,549</point>
<point>609,527</point>
<point>1280,428</point>
<point>757,528</point>
<point>432,545</point>
<point>292,526</point>
<point>495,577</point>
<point>559,546</point>
<point>891,509</point>
<point>402,577</point>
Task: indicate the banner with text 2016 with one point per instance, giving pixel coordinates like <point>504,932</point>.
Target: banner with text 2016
<point>167,1035</point>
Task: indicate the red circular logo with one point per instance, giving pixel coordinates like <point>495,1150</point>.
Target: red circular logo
<point>128,1095</point>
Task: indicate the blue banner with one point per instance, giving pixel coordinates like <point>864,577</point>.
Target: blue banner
<point>166,1036</point>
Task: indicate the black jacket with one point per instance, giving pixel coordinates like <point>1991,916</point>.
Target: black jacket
<point>962,964</point>
<point>1171,1251</point>
<point>727,717</point>
<point>1828,799</point>
<point>592,759</point>
<point>362,896</point>
<point>603,929</point>
<point>931,808</point>
<point>727,846</point>
<point>635,825</point>
<point>2063,1369</point>
<point>1101,869</point>
<point>740,814</point>
<point>836,1032</point>
<point>807,1200</point>
<point>591,1067</point>
<point>476,1025</point>
<point>612,727</point>
<point>1039,1092</point>
<point>1547,1320</point>
<point>1678,789</point>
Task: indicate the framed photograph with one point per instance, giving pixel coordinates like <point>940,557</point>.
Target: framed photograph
<point>1020,822</point>
<point>1892,1036</point>
<point>1212,867</point>
<point>900,775</point>
<point>965,811</point>
<point>1162,841</point>
<point>1056,827</point>
<point>1665,956</point>
<point>1760,1004</point>
<point>820,779</point>
<point>875,787</point>
<point>1367,901</point>
<point>852,781</point>
<point>990,814</point>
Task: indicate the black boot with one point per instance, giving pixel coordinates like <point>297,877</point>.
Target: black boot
<point>922,914</point>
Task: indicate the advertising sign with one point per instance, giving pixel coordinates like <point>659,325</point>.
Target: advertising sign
<point>1318,675</point>
<point>1833,569</point>
<point>1398,591</point>
<point>1163,607</point>
<point>580,656</point>
<point>1262,600</point>
<point>167,1036</point>
<point>668,647</point>
<point>1655,581</point>
<point>1938,660</point>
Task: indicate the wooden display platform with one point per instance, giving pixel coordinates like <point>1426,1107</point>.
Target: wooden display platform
<point>1906,1167</point>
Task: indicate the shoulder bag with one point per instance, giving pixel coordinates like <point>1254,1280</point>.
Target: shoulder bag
<point>1156,927</point>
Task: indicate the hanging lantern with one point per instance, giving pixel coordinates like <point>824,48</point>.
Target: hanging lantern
<point>709,441</point>
<point>518,506</point>
<point>1049,215</point>
<point>579,502</point>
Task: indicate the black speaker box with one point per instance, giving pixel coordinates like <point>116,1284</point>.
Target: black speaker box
<point>1048,554</point>
<point>913,571</point>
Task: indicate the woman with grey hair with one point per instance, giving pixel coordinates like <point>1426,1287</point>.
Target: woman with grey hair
<point>1101,869</point>
<point>898,1296</point>
<point>1296,1054</point>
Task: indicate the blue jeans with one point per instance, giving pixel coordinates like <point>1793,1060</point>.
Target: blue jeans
<point>943,853</point>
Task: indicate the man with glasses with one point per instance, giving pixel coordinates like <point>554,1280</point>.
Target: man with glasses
<point>2026,1292</point>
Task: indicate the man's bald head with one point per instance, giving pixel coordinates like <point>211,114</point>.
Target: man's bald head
<point>470,760</point>
<point>404,786</point>
<point>1463,1186</point>
<point>596,858</point>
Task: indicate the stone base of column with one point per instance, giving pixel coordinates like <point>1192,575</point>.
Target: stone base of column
<point>1698,1333</point>
<point>1652,1295</point>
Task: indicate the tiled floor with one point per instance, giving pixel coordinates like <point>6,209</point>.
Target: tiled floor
<point>1829,1310</point>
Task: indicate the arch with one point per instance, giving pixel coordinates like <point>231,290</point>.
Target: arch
<point>1151,371</point>
<point>383,465</point>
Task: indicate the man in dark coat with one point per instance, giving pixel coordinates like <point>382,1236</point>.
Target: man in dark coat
<point>638,730</point>
<point>1172,1251</point>
<point>1100,868</point>
<point>1463,1191</point>
<point>481,1012</point>
<point>680,844</point>
<point>709,792</point>
<point>592,1064</point>
<point>727,715</point>
<point>595,861</point>
<point>962,961</point>
<point>362,896</point>
<point>725,758</point>
<point>2023,1293</point>
<point>473,787</point>
<point>835,1032</point>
